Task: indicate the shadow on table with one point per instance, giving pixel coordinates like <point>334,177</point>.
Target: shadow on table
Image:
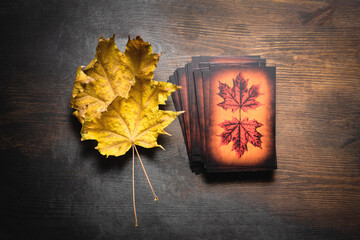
<point>265,176</point>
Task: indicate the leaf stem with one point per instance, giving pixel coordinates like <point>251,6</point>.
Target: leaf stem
<point>155,197</point>
<point>133,185</point>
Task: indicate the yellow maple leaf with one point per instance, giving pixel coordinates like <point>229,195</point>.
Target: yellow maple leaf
<point>111,74</point>
<point>117,101</point>
<point>133,120</point>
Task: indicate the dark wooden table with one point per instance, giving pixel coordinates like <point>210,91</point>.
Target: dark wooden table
<point>52,186</point>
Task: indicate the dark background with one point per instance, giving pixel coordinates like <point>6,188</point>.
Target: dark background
<point>53,186</point>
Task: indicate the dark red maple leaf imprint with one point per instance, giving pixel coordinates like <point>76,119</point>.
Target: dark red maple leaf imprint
<point>241,132</point>
<point>238,131</point>
<point>239,96</point>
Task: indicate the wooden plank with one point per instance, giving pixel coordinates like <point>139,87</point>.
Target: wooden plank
<point>54,187</point>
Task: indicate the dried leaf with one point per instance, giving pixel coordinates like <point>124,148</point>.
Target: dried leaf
<point>117,101</point>
<point>111,74</point>
<point>136,119</point>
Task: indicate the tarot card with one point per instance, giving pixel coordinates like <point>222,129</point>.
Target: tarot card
<point>194,98</point>
<point>193,127</point>
<point>240,118</point>
<point>197,98</point>
<point>202,108</point>
<point>193,117</point>
<point>197,75</point>
<point>177,103</point>
<point>181,78</point>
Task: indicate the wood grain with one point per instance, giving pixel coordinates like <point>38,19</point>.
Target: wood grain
<point>55,187</point>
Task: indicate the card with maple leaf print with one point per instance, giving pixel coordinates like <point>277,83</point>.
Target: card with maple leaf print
<point>181,78</point>
<point>205,90</point>
<point>240,124</point>
<point>196,154</point>
<point>196,150</point>
<point>195,100</point>
<point>177,103</point>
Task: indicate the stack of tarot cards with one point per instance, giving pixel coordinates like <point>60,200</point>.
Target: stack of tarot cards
<point>229,119</point>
